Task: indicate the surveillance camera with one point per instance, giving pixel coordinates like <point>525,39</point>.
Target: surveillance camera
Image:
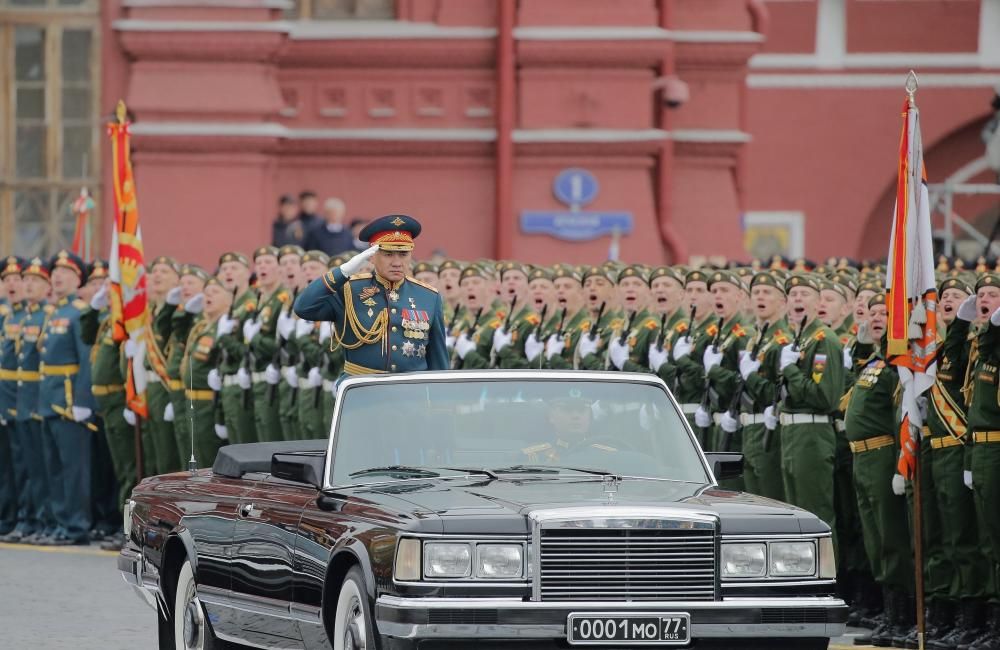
<point>674,91</point>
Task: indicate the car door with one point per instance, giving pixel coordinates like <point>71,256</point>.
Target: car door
<point>262,555</point>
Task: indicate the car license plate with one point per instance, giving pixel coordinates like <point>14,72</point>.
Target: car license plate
<point>673,628</point>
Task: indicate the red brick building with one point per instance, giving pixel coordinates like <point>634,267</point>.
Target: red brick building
<point>463,112</point>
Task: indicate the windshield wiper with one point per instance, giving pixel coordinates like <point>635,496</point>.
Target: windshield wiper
<point>553,469</point>
<point>396,469</point>
<point>473,470</point>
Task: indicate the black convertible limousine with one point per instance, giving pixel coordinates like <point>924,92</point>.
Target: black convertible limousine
<point>499,509</point>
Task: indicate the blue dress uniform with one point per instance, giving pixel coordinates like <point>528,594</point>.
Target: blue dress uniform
<point>65,383</point>
<point>29,423</point>
<point>382,326</point>
<point>11,474</point>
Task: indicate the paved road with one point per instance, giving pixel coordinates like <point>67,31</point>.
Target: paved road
<point>74,599</point>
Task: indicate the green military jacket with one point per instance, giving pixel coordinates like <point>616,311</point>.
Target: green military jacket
<point>871,406</point>
<point>612,320</point>
<point>105,354</point>
<point>522,324</point>
<point>180,328</point>
<point>724,378</point>
<point>234,350</point>
<point>572,329</point>
<point>644,330</point>
<point>815,383</point>
<point>688,373</point>
<point>265,344</point>
<point>983,388</point>
<point>762,387</point>
<point>481,332</point>
<point>946,414</point>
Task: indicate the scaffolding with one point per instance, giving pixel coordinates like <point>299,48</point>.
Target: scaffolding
<point>942,198</point>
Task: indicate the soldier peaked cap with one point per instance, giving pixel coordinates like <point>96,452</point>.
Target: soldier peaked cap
<point>97,269</point>
<point>196,271</point>
<point>877,299</point>
<point>316,256</point>
<point>234,256</point>
<point>424,267</point>
<point>768,278</point>
<point>667,272</point>
<point>724,276</point>
<point>265,250</point>
<point>540,273</point>
<point>12,265</point>
<point>955,283</point>
<point>566,271</point>
<point>290,249</point>
<point>475,271</point>
<point>988,280</point>
<point>168,261</point>
<point>37,268</point>
<point>513,266</point>
<point>393,232</point>
<point>802,280</point>
<point>71,261</point>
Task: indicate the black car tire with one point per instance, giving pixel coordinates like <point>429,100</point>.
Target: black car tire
<point>191,629</point>
<point>353,625</point>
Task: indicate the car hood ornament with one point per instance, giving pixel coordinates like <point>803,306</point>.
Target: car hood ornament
<point>610,484</point>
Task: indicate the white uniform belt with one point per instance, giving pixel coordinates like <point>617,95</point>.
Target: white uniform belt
<point>304,383</point>
<point>230,380</point>
<point>152,377</point>
<point>717,418</point>
<point>689,409</point>
<point>329,385</point>
<point>803,418</point>
<point>257,377</point>
<point>284,369</point>
<point>751,418</point>
<point>839,425</point>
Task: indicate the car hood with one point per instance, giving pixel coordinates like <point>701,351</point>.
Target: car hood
<point>487,506</point>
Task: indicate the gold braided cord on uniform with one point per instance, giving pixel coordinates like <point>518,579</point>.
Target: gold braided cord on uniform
<point>950,413</point>
<point>969,384</point>
<point>366,336</point>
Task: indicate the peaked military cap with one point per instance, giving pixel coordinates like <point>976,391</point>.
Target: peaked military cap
<point>37,268</point>
<point>316,256</point>
<point>290,249</point>
<point>802,280</point>
<point>393,232</point>
<point>67,260</point>
<point>234,256</point>
<point>196,271</point>
<point>265,250</point>
<point>424,267</point>
<point>167,261</point>
<point>97,269</point>
<point>990,279</point>
<point>955,282</point>
<point>12,265</point>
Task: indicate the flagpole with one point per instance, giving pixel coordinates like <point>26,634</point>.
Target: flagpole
<point>918,519</point>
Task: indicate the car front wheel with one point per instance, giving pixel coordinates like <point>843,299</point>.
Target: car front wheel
<point>352,626</point>
<point>191,627</point>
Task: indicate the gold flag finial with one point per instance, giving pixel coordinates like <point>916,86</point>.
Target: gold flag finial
<point>120,112</point>
<point>911,84</point>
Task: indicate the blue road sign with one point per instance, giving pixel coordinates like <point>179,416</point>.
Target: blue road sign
<point>575,226</point>
<point>575,187</point>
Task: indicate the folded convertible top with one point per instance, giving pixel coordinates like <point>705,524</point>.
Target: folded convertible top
<point>236,460</point>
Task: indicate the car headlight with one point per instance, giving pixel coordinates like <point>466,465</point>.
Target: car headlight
<point>792,559</point>
<point>447,560</point>
<point>499,561</point>
<point>744,560</point>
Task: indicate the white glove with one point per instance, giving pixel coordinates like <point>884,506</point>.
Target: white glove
<point>449,342</point>
<point>711,358</point>
<point>967,479</point>
<point>748,365</point>
<point>683,347</point>
<point>3,421</point>
<point>702,418</point>
<point>195,304</point>
<point>789,357</point>
<point>770,419</point>
<point>995,317</point>
<point>501,339</point>
<point>226,325</point>
<point>272,375</point>
<point>130,348</point>
<point>618,352</point>
<point>657,357</point>
<point>967,310</point>
<point>291,377</point>
<point>214,381</point>
<point>174,296</point>
<point>325,331</point>
<point>533,347</point>
<point>587,345</point>
<point>129,416</point>
<point>728,423</point>
<point>243,378</point>
<point>314,379</point>
<point>848,358</point>
<point>555,345</point>
<point>250,329</point>
<point>168,413</point>
<point>286,324</point>
<point>464,345</point>
<point>81,413</point>
<point>353,265</point>
<point>898,485</point>
<point>220,430</point>
<point>303,328</point>
<point>100,299</point>
<point>865,333</point>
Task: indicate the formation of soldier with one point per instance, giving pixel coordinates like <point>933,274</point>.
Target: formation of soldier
<point>781,361</point>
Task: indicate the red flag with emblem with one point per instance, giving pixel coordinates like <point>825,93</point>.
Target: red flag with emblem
<point>127,268</point>
<point>911,296</point>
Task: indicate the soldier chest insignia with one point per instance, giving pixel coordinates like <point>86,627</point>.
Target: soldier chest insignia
<point>413,304</point>
<point>409,349</point>
<point>869,376</point>
<point>394,295</point>
<point>369,303</point>
<point>366,295</point>
<point>416,323</point>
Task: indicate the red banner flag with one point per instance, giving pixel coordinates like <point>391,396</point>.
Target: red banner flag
<point>129,300</point>
<point>911,289</point>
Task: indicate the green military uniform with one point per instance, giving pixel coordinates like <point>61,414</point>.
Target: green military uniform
<point>687,374</point>
<point>161,433</point>
<point>762,447</point>
<point>178,410</point>
<point>237,401</point>
<point>573,327</point>
<point>14,505</point>
<point>642,329</point>
<point>200,418</point>
<point>266,413</point>
<point>813,388</point>
<point>288,392</point>
<point>611,320</point>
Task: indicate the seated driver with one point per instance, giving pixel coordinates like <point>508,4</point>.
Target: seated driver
<point>570,415</point>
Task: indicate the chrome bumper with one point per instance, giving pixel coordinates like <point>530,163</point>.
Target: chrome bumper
<point>130,564</point>
<point>501,618</point>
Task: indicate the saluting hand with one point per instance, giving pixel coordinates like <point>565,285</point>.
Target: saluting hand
<point>353,265</point>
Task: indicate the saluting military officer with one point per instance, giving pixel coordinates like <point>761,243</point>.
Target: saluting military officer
<point>66,404</point>
<point>385,321</point>
<point>13,476</point>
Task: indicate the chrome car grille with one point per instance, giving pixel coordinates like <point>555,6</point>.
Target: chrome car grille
<point>668,563</point>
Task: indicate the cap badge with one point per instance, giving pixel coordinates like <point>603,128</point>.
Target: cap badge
<point>398,222</point>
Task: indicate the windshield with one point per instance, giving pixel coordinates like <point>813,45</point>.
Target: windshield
<point>437,428</point>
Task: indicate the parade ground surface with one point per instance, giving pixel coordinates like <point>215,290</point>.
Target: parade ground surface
<point>58,598</point>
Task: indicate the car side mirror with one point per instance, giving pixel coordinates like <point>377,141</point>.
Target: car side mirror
<point>725,464</point>
<point>305,468</point>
